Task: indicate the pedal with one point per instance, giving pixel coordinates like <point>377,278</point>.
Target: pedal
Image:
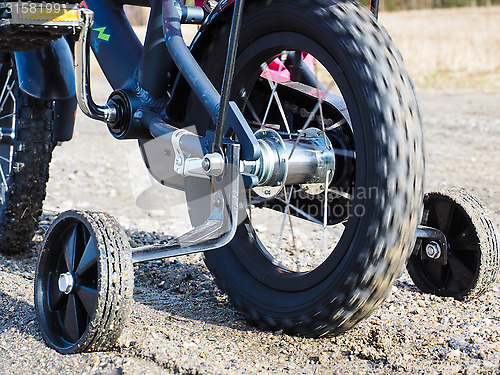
<point>31,25</point>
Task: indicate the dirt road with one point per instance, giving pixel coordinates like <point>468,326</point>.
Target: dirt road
<point>182,323</point>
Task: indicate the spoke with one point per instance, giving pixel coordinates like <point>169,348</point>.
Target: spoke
<point>312,115</point>
<point>250,209</point>
<point>325,213</point>
<point>4,180</point>
<point>88,296</point>
<point>4,159</point>
<point>337,124</point>
<point>320,106</point>
<point>274,85</point>
<point>247,103</point>
<point>265,70</point>
<point>325,203</point>
<point>89,258</point>
<point>71,326</point>
<point>6,116</point>
<point>341,193</point>
<point>287,204</point>
<point>70,248</point>
<point>9,93</point>
<point>254,113</point>
<point>4,89</point>
<point>56,297</point>
<point>291,230</point>
<point>299,211</point>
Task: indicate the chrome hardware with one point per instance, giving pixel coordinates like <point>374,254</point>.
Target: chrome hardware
<point>213,164</point>
<point>306,162</point>
<point>66,283</point>
<point>107,112</point>
<point>433,250</point>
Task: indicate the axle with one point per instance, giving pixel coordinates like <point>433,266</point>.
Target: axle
<point>308,161</point>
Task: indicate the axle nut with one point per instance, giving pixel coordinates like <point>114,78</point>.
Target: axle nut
<point>66,283</point>
<point>433,250</point>
<point>213,164</point>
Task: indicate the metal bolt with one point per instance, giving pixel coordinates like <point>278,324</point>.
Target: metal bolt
<point>217,202</point>
<point>66,282</point>
<point>178,161</point>
<point>433,250</point>
<point>205,164</point>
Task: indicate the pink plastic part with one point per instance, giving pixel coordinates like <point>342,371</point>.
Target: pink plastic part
<point>284,74</point>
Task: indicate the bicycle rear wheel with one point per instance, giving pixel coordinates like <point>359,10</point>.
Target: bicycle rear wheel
<point>322,70</point>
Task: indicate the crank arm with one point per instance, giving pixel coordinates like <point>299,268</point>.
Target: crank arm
<point>217,231</point>
<point>431,244</point>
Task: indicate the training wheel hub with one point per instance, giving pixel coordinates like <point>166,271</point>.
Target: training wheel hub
<point>66,282</point>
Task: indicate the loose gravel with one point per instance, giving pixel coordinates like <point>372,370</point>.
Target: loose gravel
<point>182,323</point>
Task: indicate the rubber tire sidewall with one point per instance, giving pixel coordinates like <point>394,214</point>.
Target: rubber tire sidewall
<point>383,235</point>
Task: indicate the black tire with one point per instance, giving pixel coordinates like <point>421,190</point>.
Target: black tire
<point>473,254</point>
<point>100,264</point>
<point>25,163</point>
<point>385,129</point>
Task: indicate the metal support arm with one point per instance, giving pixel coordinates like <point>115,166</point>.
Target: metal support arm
<point>217,231</point>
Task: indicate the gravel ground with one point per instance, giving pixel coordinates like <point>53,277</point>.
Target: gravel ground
<point>181,322</point>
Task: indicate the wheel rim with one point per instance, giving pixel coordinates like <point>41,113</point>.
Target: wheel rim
<point>460,273</point>
<point>67,283</point>
<point>271,264</point>
<point>7,125</point>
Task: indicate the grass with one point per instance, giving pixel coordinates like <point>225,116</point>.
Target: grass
<point>449,48</point>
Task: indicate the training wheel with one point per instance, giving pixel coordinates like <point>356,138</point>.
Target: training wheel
<point>472,257</point>
<point>84,282</point>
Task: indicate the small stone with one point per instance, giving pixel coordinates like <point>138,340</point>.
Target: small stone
<point>453,355</point>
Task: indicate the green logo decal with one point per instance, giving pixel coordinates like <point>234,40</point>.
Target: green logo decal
<point>102,35</point>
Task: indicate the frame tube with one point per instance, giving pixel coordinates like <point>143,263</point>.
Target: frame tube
<point>188,66</point>
<point>155,68</point>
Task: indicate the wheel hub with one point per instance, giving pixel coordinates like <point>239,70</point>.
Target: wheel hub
<point>308,161</point>
<point>66,282</point>
<point>433,250</point>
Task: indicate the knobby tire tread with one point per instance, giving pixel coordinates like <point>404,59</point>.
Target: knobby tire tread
<point>30,172</point>
<point>374,271</point>
<point>117,281</point>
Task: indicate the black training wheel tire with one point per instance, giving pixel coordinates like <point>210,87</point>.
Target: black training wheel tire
<point>87,256</point>
<point>25,163</point>
<point>473,253</point>
<point>356,277</point>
